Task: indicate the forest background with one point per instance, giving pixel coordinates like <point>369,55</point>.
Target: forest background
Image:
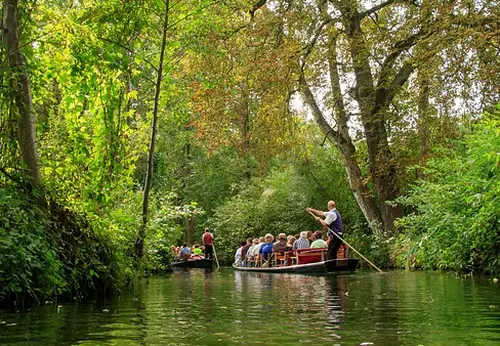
<point>129,126</point>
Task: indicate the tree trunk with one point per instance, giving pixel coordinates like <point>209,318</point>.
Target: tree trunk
<point>373,102</point>
<point>190,231</point>
<point>151,152</point>
<point>423,119</point>
<point>20,86</point>
<point>343,142</point>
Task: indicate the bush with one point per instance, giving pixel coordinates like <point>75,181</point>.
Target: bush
<point>374,246</point>
<point>456,220</point>
<point>52,251</point>
<point>28,264</point>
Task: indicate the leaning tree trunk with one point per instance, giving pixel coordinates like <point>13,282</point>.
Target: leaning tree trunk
<point>151,153</point>
<point>373,100</point>
<point>341,138</point>
<point>20,87</point>
<point>342,141</point>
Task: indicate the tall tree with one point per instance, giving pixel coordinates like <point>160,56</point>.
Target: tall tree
<point>21,90</point>
<point>152,144</point>
<point>371,54</point>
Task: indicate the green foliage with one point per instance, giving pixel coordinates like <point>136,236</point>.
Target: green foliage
<point>54,251</point>
<point>374,246</point>
<point>276,203</point>
<point>230,151</point>
<point>455,223</point>
<point>28,263</point>
<point>211,179</point>
<point>165,228</point>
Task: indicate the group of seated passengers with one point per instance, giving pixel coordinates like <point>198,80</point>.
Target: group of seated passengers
<point>260,248</point>
<point>184,252</point>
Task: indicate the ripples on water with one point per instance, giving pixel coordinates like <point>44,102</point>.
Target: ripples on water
<point>227,307</point>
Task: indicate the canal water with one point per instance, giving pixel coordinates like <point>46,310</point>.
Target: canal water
<point>232,308</point>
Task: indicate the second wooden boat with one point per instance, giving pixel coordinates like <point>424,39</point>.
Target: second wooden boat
<point>194,263</point>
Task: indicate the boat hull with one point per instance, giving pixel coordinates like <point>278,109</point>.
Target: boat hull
<point>199,263</point>
<point>330,266</point>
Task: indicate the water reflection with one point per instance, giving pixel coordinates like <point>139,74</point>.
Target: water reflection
<point>336,290</point>
<point>227,307</point>
<point>307,305</point>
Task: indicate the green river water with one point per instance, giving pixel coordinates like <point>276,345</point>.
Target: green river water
<point>227,308</point>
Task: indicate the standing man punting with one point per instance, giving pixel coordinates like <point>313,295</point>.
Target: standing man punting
<point>208,243</point>
<point>333,221</point>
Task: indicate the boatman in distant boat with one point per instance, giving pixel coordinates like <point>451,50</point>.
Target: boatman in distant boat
<point>208,243</point>
<point>333,221</point>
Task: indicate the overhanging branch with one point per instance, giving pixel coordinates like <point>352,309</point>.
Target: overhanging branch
<point>310,100</point>
<point>256,6</point>
<point>377,7</point>
<point>382,5</point>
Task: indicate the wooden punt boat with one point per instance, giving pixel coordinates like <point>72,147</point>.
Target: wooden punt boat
<point>194,263</point>
<point>322,267</point>
<point>303,261</point>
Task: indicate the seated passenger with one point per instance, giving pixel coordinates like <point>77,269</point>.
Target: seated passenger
<point>244,250</point>
<point>302,242</point>
<point>185,252</point>
<point>237,255</point>
<point>174,251</point>
<point>280,245</point>
<point>319,243</point>
<point>267,248</point>
<point>250,252</point>
<point>290,241</point>
<point>310,237</point>
<point>197,250</point>
<point>256,249</point>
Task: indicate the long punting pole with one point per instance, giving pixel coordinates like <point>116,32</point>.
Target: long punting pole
<point>215,255</point>
<point>350,246</point>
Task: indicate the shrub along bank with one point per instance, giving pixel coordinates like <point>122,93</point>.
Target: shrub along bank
<point>455,215</point>
<point>52,251</point>
<point>452,219</point>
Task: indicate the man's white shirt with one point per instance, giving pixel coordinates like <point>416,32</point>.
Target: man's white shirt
<point>330,216</point>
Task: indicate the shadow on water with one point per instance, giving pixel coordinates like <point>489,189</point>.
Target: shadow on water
<point>228,307</point>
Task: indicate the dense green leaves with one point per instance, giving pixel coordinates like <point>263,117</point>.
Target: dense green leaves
<point>455,222</point>
<point>276,203</point>
<point>28,262</point>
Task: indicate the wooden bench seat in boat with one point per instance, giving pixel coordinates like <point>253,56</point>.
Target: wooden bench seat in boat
<point>305,256</point>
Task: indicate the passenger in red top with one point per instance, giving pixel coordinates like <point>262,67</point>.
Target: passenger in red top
<point>208,242</point>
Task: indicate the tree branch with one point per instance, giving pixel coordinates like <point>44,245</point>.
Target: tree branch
<point>105,39</point>
<point>376,8</point>
<point>310,45</point>
<point>384,96</point>
<point>382,5</point>
<point>11,177</point>
<point>256,6</point>
<point>310,100</point>
<point>398,48</point>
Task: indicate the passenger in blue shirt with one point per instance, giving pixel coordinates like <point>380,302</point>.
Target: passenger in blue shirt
<point>185,252</point>
<point>267,248</point>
